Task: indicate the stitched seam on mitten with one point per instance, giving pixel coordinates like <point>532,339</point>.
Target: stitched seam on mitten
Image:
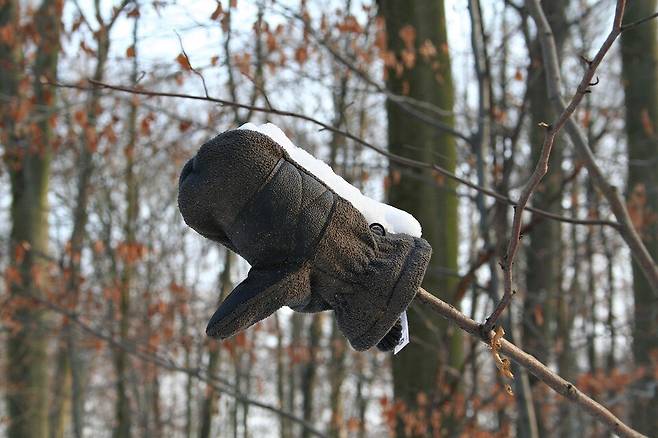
<point>301,169</point>
<point>316,244</point>
<point>269,178</point>
<point>362,274</point>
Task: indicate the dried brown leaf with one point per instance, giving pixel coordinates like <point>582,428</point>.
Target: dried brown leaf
<point>218,12</point>
<point>183,61</point>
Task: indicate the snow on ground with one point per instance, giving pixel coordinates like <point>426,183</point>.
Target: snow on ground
<point>392,219</point>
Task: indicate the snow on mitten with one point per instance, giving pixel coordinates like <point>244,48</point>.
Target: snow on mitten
<point>309,248</point>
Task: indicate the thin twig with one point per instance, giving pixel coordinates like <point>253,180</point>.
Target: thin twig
<point>189,64</point>
<point>554,84</point>
<point>529,362</point>
<point>539,370</point>
<point>408,162</point>
<point>552,72</point>
<point>215,381</point>
<point>625,27</point>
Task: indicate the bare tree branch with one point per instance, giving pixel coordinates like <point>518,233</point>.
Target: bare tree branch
<point>325,126</point>
<point>470,326</point>
<point>625,27</point>
<point>554,85</point>
<point>549,53</point>
<point>189,64</point>
<point>151,357</point>
<point>529,362</point>
<point>539,370</point>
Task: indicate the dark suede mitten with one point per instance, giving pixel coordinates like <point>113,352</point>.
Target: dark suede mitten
<point>309,248</point>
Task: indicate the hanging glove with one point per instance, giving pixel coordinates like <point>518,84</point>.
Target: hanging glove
<point>309,248</point>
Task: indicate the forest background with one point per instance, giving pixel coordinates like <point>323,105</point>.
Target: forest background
<point>451,110</point>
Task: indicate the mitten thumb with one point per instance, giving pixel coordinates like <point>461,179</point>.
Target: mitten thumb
<point>262,293</point>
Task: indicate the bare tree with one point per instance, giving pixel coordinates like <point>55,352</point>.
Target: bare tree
<point>419,67</point>
<point>639,49</point>
<point>29,142</point>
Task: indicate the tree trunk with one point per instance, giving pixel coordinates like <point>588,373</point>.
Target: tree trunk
<point>361,397</point>
<point>284,423</point>
<point>28,158</point>
<point>337,371</point>
<point>69,380</point>
<point>187,432</point>
<point>567,301</point>
<point>640,73</point>
<point>426,76</point>
<point>296,328</point>
<point>338,343</point>
<point>309,373</point>
<point>209,405</point>
<point>60,403</point>
<point>121,359</point>
<point>543,253</point>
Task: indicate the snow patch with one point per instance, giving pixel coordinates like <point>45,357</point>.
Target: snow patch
<point>392,219</point>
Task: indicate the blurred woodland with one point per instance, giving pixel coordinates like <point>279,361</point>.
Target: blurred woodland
<point>447,109</point>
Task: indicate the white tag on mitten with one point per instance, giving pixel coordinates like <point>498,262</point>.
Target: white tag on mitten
<point>404,340</point>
